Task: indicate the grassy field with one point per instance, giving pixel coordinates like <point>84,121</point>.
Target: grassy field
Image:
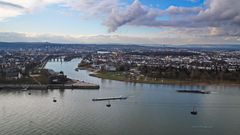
<point>120,77</point>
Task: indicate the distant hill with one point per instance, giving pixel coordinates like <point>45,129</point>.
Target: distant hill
<point>213,46</point>
<point>18,45</point>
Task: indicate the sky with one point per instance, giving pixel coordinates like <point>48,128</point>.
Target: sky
<point>150,22</point>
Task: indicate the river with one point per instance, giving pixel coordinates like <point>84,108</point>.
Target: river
<point>151,109</point>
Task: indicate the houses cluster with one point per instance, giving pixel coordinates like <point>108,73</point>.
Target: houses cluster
<point>14,64</point>
<point>211,60</point>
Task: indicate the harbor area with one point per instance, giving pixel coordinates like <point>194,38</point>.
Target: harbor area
<point>74,84</point>
<point>54,80</point>
<point>61,81</point>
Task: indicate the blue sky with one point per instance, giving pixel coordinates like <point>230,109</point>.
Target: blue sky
<point>120,21</point>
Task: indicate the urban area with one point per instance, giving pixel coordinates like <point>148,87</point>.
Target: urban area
<point>144,64</point>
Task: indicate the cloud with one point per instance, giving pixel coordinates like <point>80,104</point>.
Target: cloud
<point>93,7</point>
<point>181,37</point>
<point>10,5</point>
<point>138,14</point>
<point>173,10</point>
<point>12,8</point>
<point>119,16</point>
<point>8,9</point>
<point>222,15</point>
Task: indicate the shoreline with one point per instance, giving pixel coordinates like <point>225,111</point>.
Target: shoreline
<point>70,86</point>
<point>163,81</point>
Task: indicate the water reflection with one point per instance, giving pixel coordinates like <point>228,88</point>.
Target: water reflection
<point>61,92</point>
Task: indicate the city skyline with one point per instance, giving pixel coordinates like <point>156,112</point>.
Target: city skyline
<point>121,21</point>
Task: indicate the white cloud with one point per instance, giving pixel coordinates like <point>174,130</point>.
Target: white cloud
<point>12,8</point>
<point>7,12</point>
<point>87,7</point>
<point>93,7</point>
<point>8,9</point>
<point>119,16</point>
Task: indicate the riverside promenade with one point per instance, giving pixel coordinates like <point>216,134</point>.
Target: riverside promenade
<point>75,85</point>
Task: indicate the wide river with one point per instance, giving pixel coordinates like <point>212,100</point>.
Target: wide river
<point>151,109</point>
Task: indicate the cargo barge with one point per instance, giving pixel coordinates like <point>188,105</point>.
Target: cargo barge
<point>194,91</point>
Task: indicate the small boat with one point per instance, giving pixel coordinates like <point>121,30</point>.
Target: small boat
<point>108,104</point>
<point>76,69</point>
<point>54,99</point>
<point>194,111</point>
<point>194,91</point>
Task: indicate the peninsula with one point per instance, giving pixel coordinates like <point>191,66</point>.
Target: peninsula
<point>165,66</point>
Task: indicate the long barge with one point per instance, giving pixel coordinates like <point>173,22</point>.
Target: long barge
<point>194,91</point>
<point>109,98</point>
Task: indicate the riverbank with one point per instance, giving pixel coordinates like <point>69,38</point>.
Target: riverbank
<point>74,85</point>
<point>120,77</point>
